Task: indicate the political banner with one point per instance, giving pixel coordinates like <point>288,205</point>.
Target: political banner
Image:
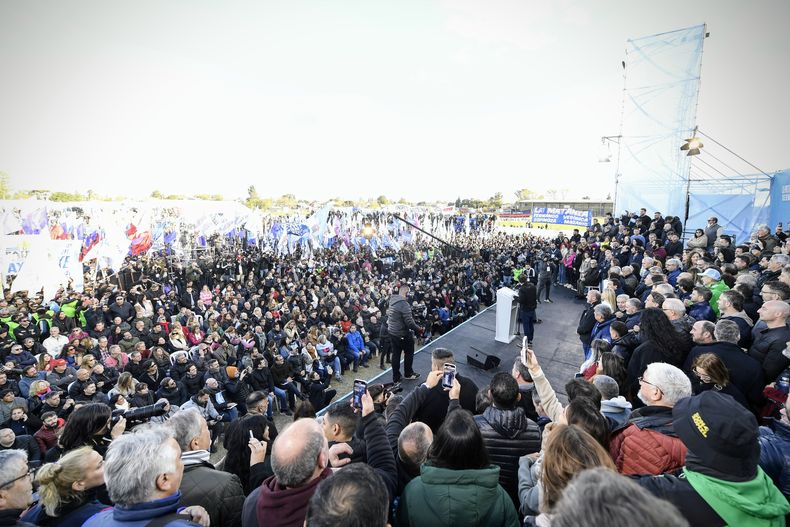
<point>562,216</point>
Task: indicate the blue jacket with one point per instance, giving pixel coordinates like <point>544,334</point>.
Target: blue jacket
<point>601,330</point>
<point>140,515</point>
<point>74,517</point>
<point>672,277</point>
<point>701,311</point>
<point>775,454</point>
<point>355,341</point>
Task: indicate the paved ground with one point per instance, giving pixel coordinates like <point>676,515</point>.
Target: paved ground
<point>556,345</point>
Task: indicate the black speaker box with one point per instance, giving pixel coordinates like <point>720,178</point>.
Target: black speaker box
<point>482,361</point>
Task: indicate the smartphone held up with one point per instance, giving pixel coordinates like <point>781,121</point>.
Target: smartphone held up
<point>360,387</point>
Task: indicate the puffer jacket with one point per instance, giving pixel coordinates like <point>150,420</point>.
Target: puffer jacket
<point>775,454</point>
<point>220,493</point>
<point>461,498</point>
<point>648,444</point>
<point>508,435</point>
<point>399,317</point>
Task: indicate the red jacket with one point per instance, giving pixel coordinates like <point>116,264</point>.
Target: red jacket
<point>48,437</point>
<point>648,444</point>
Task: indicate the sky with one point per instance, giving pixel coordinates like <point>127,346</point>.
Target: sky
<point>418,99</point>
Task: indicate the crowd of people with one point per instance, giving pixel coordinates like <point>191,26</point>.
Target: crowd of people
<point>113,400</point>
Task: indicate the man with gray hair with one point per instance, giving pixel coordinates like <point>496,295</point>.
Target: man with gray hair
<point>301,458</point>
<point>143,473</point>
<point>648,443</point>
<point>613,405</point>
<point>219,492</point>
<point>673,271</point>
<point>745,372</point>
<point>675,311</point>
<point>598,496</point>
<point>16,487</point>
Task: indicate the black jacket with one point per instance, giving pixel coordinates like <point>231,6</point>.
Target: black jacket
<point>767,347</point>
<point>433,410</point>
<point>400,419</point>
<point>399,317</point>
<point>260,379</point>
<point>528,296</point>
<point>746,374</point>
<point>679,492</point>
<point>508,435</point>
<point>586,323</point>
<point>220,493</point>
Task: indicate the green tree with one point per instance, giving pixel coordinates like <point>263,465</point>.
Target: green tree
<point>157,195</point>
<point>495,201</point>
<point>383,200</point>
<point>5,188</point>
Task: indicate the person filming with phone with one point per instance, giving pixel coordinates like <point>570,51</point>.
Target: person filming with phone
<point>434,408</point>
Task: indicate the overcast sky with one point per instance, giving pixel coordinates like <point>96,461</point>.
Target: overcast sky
<point>411,98</point>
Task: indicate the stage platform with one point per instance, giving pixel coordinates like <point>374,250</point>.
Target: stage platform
<point>555,343</point>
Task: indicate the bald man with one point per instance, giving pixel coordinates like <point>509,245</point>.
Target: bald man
<point>768,342</point>
<point>301,459</point>
<point>410,442</point>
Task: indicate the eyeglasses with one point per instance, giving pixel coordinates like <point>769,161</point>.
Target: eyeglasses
<point>704,377</point>
<point>28,474</point>
<point>642,379</point>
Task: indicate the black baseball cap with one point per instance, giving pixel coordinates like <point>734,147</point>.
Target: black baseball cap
<point>718,431</point>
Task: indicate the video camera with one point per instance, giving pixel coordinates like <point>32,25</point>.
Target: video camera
<point>138,415</point>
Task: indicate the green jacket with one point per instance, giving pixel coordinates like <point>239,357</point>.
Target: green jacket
<point>756,503</point>
<point>457,498</point>
<point>717,289</point>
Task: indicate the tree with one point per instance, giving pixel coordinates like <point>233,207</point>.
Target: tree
<point>5,188</point>
<point>157,195</point>
<point>495,201</point>
<point>383,200</point>
<point>403,201</point>
<point>526,194</point>
<point>458,203</point>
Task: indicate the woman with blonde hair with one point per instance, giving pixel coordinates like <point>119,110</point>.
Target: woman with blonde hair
<point>177,341</point>
<point>125,386</point>
<point>68,490</point>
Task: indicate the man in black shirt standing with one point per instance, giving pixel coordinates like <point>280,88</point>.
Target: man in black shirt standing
<point>528,301</point>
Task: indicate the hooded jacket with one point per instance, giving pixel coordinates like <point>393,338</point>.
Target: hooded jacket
<point>441,496</point>
<point>756,502</point>
<point>399,317</point>
<point>648,445</point>
<point>508,435</point>
<point>618,410</point>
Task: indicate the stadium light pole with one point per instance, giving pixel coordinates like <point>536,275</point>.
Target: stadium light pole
<point>606,140</point>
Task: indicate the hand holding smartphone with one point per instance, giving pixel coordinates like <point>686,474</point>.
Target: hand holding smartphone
<point>360,388</point>
<point>448,375</point>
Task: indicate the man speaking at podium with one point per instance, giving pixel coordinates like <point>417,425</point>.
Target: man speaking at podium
<point>528,302</point>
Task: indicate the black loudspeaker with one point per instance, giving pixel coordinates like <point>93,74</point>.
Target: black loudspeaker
<point>482,361</point>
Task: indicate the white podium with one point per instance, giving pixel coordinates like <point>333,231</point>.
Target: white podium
<point>506,315</point>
